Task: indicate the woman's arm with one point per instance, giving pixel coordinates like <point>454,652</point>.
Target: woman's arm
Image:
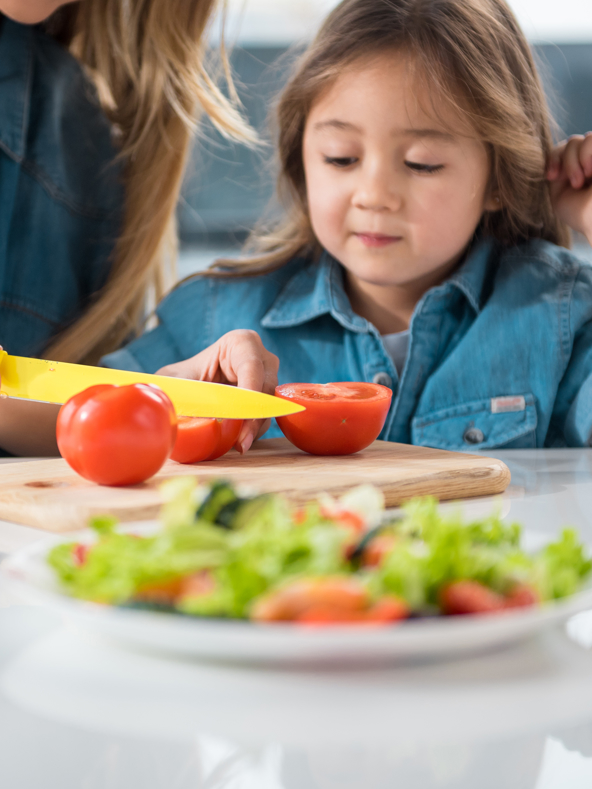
<point>28,429</point>
<point>570,173</point>
<point>238,358</point>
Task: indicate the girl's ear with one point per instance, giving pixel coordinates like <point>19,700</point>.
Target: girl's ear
<point>492,203</point>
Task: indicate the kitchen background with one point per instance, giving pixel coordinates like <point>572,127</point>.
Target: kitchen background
<point>228,187</point>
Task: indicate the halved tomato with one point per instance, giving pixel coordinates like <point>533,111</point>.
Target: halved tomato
<point>229,432</point>
<point>204,439</point>
<point>340,418</point>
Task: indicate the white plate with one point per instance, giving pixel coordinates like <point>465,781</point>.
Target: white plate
<point>27,575</point>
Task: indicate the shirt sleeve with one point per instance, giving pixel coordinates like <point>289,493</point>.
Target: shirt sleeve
<point>185,328</point>
<point>147,354</point>
<point>573,404</point>
<point>576,389</point>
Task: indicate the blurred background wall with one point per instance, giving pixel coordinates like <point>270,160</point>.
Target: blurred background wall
<point>228,187</point>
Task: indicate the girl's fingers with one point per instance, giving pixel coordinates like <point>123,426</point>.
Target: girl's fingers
<point>247,436</point>
<point>574,158</point>
<point>586,155</point>
<point>245,360</point>
<point>254,368</point>
<point>554,163</point>
<point>239,358</point>
<point>572,166</point>
<point>252,430</point>
<point>198,368</point>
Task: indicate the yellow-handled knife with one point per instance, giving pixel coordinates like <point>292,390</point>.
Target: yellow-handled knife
<point>55,382</point>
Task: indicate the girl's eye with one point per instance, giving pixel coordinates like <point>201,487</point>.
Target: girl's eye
<point>340,161</point>
<point>424,168</point>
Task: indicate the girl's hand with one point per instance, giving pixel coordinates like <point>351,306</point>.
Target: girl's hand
<point>570,173</point>
<point>239,358</point>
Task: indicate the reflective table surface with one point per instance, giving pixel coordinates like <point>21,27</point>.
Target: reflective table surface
<point>78,712</point>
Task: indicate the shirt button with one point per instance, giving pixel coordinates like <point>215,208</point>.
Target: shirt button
<point>473,436</point>
<point>383,379</point>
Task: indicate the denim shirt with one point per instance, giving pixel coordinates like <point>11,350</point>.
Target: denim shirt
<point>500,354</point>
<point>60,193</point>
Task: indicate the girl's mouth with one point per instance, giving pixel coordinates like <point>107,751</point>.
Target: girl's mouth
<point>376,239</point>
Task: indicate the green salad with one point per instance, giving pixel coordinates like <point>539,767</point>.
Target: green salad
<point>224,552</point>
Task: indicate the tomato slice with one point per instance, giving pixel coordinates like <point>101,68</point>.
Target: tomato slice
<point>196,439</point>
<point>229,433</point>
<point>80,554</point>
<point>204,439</point>
<point>340,418</point>
<point>388,609</point>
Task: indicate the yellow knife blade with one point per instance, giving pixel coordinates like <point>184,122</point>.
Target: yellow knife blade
<point>55,382</point>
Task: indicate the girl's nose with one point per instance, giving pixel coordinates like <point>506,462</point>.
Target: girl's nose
<point>377,191</point>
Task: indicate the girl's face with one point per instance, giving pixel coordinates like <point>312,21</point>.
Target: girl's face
<point>394,193</point>
<point>30,12</point>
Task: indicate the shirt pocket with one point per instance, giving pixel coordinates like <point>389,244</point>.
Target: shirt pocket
<point>477,425</point>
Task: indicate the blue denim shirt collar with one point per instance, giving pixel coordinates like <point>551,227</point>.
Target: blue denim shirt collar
<point>16,73</point>
<point>318,289</point>
<point>315,290</point>
<point>471,276</point>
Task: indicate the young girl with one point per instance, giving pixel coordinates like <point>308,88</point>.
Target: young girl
<point>420,249</point>
<point>98,105</point>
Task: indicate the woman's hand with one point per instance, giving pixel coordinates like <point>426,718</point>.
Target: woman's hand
<point>239,358</point>
<point>570,173</point>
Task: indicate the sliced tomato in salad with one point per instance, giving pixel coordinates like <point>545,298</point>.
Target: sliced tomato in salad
<point>168,591</point>
<point>292,601</point>
<point>204,439</point>
<point>79,553</point>
<point>388,609</point>
<point>472,597</point>
<point>469,597</point>
<point>522,596</point>
<point>329,600</point>
<point>377,549</point>
<point>340,418</point>
<point>165,591</point>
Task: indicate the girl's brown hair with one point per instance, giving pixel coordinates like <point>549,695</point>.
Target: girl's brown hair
<point>147,59</point>
<point>470,52</point>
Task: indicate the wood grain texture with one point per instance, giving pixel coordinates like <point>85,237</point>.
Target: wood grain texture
<point>47,494</point>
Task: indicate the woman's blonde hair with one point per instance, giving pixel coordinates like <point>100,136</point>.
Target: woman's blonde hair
<point>147,59</point>
<point>471,53</point>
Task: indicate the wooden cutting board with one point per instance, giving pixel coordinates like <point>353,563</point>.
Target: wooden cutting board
<point>47,494</point>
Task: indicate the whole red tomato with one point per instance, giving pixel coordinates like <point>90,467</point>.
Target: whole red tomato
<point>204,439</point>
<point>340,418</point>
<point>117,435</point>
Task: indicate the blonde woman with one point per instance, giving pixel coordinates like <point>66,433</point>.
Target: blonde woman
<point>98,102</point>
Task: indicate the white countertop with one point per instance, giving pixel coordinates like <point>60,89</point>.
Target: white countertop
<point>77,712</point>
